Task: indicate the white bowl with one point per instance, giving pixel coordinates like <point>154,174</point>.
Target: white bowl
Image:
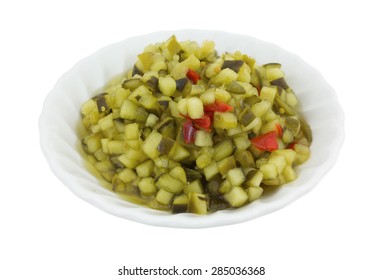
<point>60,119</point>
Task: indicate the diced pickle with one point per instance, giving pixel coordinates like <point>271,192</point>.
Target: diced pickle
<point>127,175</point>
<point>293,124</point>
<point>164,197</point>
<point>165,146</point>
<point>151,143</point>
<point>246,116</point>
<point>195,187</point>
<point>170,184</point>
<point>179,173</point>
<point>225,165</point>
<point>211,170</point>
<point>306,130</point>
<point>281,82</point>
<point>192,174</point>
<point>235,87</point>
<point>225,120</point>
<point>181,83</point>
<point>132,84</point>
<point>237,196</point>
<point>145,169</point>
<point>254,178</point>
<point>167,85</point>
<point>268,93</point>
<point>172,45</point>
<point>223,150</point>
<point>180,204</point>
<point>234,65</point>
<point>128,110</point>
<point>195,108</point>
<point>203,139</point>
<point>245,159</point>
<point>197,203</point>
<point>279,161</point>
<point>146,186</point>
<point>225,77</point>
<point>254,193</point>
<point>236,176</point>
<point>269,171</point>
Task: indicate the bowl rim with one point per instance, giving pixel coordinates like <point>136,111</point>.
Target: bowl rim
<point>184,220</point>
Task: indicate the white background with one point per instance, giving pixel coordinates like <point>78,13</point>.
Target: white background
<point>334,232</point>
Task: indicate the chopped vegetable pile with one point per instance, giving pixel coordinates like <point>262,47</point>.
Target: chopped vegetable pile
<point>187,130</point>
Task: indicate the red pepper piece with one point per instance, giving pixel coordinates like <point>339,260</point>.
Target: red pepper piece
<point>218,107</point>
<point>193,76</point>
<point>188,131</point>
<point>210,115</point>
<point>204,122</point>
<point>291,145</point>
<point>266,142</point>
<point>279,129</point>
<point>259,89</point>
